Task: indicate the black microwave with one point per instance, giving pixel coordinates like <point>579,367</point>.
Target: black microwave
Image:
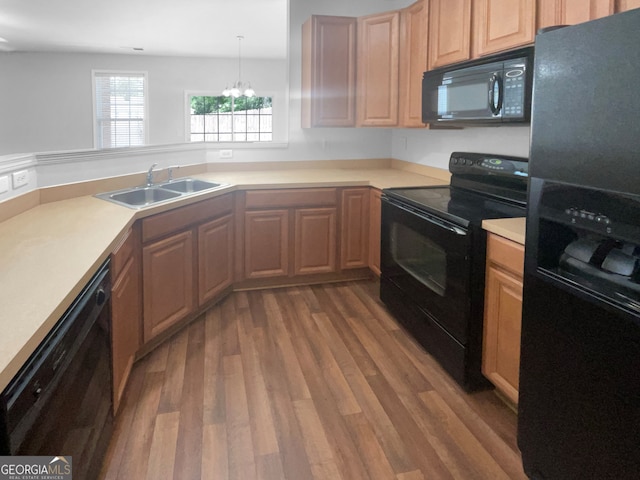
<point>491,90</point>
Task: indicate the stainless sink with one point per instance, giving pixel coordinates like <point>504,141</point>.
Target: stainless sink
<point>189,185</point>
<point>139,197</point>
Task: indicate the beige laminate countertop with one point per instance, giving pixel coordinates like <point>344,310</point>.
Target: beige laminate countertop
<point>48,253</point>
<point>511,228</point>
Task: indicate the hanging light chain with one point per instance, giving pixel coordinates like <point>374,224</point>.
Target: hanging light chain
<point>240,38</point>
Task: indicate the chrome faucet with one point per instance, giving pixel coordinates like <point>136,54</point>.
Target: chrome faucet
<point>150,174</point>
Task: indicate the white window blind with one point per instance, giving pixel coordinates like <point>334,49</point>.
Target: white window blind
<point>120,109</point>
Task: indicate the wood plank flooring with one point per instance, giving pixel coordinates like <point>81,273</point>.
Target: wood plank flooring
<point>301,383</point>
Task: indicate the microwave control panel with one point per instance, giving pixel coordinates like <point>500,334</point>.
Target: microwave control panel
<point>514,88</point>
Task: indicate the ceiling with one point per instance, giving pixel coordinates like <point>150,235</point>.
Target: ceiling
<point>160,27</point>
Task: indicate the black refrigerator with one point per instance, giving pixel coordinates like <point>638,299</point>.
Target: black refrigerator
<point>579,394</point>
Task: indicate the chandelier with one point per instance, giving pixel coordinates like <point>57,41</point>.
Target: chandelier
<point>239,87</point>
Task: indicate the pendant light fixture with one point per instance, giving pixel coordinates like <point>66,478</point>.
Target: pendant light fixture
<point>239,87</point>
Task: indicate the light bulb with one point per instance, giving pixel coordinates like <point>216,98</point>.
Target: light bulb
<point>226,92</point>
<point>235,92</point>
<point>249,92</point>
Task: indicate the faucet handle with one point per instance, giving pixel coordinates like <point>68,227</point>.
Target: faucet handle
<point>170,170</point>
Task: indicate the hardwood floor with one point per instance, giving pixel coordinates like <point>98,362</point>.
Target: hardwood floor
<point>301,383</point>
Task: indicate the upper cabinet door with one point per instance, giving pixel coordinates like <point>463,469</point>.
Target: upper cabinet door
<point>570,12</point>
<point>624,5</point>
<point>502,24</point>
<point>378,66</point>
<point>449,32</point>
<point>413,62</point>
<point>328,72</point>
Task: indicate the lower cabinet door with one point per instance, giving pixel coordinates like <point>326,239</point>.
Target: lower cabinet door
<point>125,325</point>
<point>168,278</point>
<point>266,243</point>
<point>502,326</point>
<point>215,258</point>
<point>315,240</point>
<point>354,223</point>
<point>375,219</point>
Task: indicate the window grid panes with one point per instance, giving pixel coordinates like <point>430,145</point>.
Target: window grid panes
<point>120,109</point>
<point>228,119</point>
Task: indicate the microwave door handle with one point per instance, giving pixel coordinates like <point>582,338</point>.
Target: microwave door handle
<point>495,104</point>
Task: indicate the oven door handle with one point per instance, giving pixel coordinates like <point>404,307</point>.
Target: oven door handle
<point>429,218</point>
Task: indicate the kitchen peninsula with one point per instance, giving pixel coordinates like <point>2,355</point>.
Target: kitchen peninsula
<point>49,252</point>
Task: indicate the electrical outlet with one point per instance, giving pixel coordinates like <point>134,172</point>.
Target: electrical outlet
<point>4,184</point>
<point>20,178</point>
<point>226,153</point>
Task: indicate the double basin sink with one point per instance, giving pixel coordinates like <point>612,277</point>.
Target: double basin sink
<point>140,197</point>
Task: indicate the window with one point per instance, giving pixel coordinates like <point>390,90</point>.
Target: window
<point>120,109</point>
<point>229,119</point>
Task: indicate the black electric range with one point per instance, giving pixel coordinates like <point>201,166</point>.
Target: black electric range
<point>433,251</point>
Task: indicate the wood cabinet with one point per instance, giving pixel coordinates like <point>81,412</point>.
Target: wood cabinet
<point>315,241</point>
<point>449,32</point>
<point>354,228</point>
<point>503,314</point>
<point>502,25</point>
<point>303,234</point>
<point>375,224</point>
<point>266,243</point>
<point>379,76</point>
<point>329,72</point>
<point>378,70</point>
<point>187,260</point>
<point>168,282</point>
<point>624,5</point>
<point>289,232</point>
<point>413,62</point>
<point>126,311</point>
<point>570,12</point>
<point>215,254</point>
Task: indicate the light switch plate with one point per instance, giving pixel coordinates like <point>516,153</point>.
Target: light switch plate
<point>4,184</point>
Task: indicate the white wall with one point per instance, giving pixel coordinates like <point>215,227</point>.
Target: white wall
<point>46,98</point>
<point>433,147</point>
<point>44,84</point>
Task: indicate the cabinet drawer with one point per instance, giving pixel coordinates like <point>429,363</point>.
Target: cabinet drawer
<point>506,253</point>
<point>296,197</point>
<point>180,218</point>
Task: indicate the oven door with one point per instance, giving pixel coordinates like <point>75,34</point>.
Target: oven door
<point>428,259</point>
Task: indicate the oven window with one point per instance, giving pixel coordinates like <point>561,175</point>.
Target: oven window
<point>419,256</point>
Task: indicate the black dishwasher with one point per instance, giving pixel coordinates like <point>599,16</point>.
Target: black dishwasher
<point>60,402</point>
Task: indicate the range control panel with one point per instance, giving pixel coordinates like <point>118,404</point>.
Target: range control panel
<point>487,164</point>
